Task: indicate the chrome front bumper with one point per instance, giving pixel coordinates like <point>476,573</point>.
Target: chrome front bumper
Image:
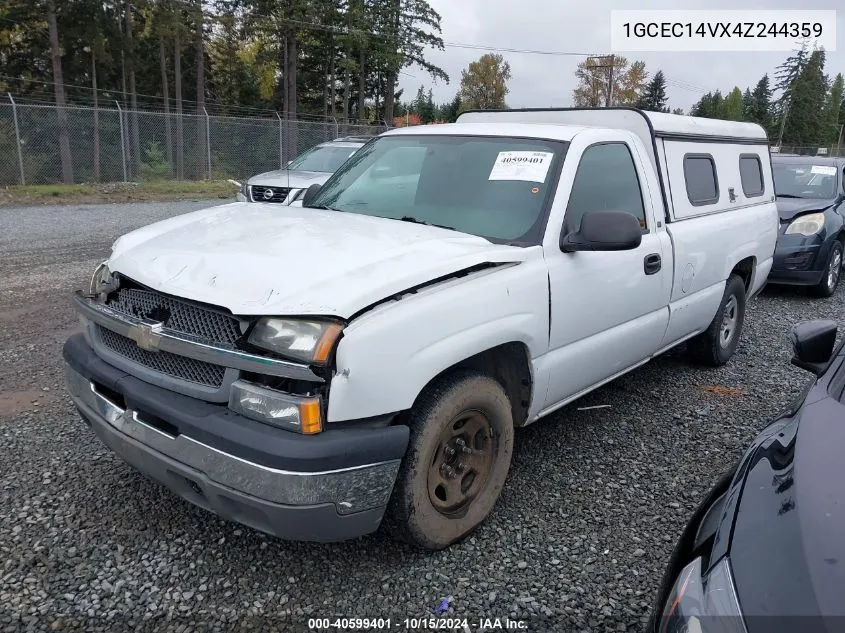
<point>322,506</point>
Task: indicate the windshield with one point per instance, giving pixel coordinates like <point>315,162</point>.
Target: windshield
<point>494,187</point>
<point>797,180</point>
<point>323,158</point>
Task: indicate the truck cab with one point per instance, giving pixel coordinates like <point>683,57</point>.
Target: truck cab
<point>366,355</point>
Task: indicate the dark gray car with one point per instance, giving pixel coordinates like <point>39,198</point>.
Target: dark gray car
<point>811,203</point>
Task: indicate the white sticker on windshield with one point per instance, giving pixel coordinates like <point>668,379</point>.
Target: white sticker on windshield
<point>527,166</point>
<point>824,170</point>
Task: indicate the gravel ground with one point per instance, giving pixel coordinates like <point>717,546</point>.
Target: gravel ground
<point>593,505</point>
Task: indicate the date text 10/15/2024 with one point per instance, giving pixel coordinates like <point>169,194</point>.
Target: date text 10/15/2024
<point>456,625</point>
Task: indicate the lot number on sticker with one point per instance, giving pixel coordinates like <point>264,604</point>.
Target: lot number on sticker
<point>824,170</point>
<point>527,166</point>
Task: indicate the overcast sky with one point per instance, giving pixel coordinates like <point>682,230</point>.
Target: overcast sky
<point>584,26</point>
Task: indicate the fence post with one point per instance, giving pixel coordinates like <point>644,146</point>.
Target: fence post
<point>336,128</point>
<point>208,139</point>
<point>122,140</point>
<point>281,151</point>
<point>17,137</point>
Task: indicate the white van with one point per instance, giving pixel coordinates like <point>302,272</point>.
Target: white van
<point>370,350</point>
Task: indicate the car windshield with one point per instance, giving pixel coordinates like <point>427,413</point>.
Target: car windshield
<point>800,180</point>
<point>494,187</point>
<point>325,158</point>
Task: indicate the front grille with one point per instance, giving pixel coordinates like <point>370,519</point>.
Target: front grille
<point>187,369</point>
<point>210,325</point>
<point>276,194</point>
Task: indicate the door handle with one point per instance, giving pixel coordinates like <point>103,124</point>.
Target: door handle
<point>652,263</point>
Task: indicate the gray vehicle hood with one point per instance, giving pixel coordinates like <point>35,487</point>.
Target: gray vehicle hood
<point>287,178</point>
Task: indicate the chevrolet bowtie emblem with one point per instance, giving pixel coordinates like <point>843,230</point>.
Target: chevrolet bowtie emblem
<point>146,335</point>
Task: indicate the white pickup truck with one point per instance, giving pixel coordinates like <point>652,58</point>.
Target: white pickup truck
<point>368,353</point>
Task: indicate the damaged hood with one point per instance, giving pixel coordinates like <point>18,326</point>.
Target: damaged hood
<point>788,208</point>
<point>270,260</point>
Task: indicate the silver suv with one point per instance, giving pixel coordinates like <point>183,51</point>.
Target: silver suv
<point>283,186</point>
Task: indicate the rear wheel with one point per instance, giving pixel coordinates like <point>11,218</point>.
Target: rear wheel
<point>717,344</point>
<point>457,461</point>
<point>827,286</point>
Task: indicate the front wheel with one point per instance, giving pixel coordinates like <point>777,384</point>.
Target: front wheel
<point>458,458</point>
<point>827,286</point>
<point>717,344</point>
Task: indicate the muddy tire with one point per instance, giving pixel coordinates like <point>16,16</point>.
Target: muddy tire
<point>833,270</point>
<point>717,344</point>
<point>458,459</point>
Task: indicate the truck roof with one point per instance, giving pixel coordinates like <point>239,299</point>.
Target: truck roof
<point>529,130</point>
<point>647,125</point>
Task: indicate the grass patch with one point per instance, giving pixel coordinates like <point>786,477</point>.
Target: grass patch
<point>154,190</point>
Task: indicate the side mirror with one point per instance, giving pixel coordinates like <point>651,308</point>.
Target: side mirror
<point>812,344</point>
<point>309,194</point>
<point>604,231</point>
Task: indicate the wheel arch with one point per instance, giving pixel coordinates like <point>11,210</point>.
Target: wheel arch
<point>745,269</point>
<point>510,365</point>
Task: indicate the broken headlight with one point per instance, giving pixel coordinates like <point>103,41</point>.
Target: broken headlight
<point>300,339</point>
<point>103,281</point>
<point>699,604</point>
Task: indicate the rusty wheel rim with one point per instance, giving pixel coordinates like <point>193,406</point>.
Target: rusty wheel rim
<point>461,463</point>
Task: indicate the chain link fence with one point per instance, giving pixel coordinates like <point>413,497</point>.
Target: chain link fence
<point>41,144</point>
<point>810,150</point>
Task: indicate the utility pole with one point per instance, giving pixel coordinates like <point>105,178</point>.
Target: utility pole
<point>609,99</point>
<point>595,66</point>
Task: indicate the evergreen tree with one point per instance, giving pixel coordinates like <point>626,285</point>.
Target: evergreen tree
<point>833,110</point>
<point>653,98</point>
<point>747,104</point>
<point>785,76</point>
<point>710,106</point>
<point>803,124</point>
<point>733,106</point>
<point>424,105</point>
<point>449,111</point>
<point>760,110</point>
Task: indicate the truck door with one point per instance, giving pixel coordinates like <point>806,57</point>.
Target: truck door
<point>609,310</point>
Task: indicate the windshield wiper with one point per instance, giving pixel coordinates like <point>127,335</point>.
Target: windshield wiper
<point>787,195</point>
<point>408,218</point>
<point>323,208</point>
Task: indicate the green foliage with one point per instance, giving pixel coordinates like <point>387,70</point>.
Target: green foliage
<point>760,108</point>
<point>805,123</point>
<point>155,165</point>
<point>733,105</point>
<point>711,106</point>
<point>654,97</point>
<point>808,110</point>
<point>449,112</point>
<point>833,110</point>
<point>484,84</point>
<point>424,106</point>
<point>244,50</point>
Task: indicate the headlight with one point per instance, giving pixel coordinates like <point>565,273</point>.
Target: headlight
<point>702,605</point>
<point>245,192</point>
<point>102,281</point>
<point>809,224</point>
<point>306,340</point>
<point>284,410</point>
